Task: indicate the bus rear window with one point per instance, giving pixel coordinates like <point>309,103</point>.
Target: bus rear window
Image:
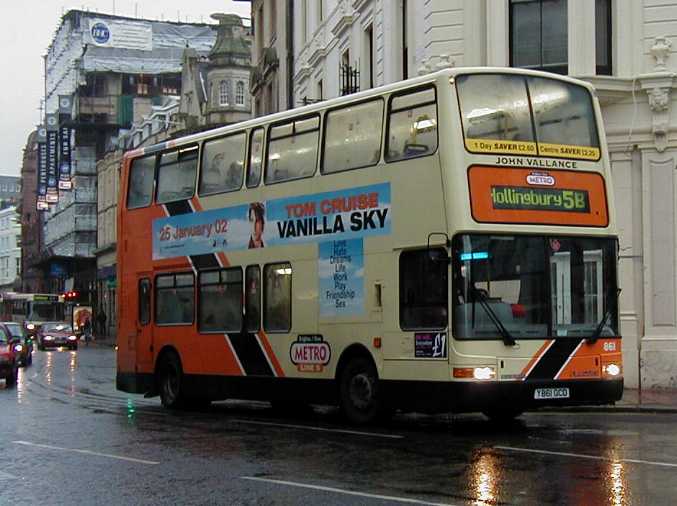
<point>520,115</point>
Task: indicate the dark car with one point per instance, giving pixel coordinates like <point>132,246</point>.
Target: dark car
<point>56,335</point>
<point>23,345</point>
<point>9,368</point>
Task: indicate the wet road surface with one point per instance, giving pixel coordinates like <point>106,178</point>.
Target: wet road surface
<point>68,437</point>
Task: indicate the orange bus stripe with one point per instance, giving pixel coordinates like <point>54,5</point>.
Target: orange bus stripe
<point>271,355</point>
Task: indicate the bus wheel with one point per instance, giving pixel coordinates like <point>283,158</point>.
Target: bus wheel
<point>170,377</point>
<point>504,415</point>
<point>358,390</point>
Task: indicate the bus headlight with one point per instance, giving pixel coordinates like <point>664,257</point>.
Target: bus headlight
<point>483,373</point>
<point>611,369</point>
<point>30,326</point>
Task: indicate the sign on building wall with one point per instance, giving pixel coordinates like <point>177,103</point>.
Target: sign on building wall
<point>65,143</point>
<point>42,169</point>
<point>120,34</point>
<point>341,278</point>
<point>52,158</point>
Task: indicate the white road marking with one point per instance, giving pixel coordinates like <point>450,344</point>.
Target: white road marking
<point>87,452</point>
<point>583,456</point>
<point>7,476</point>
<point>345,492</point>
<point>321,429</point>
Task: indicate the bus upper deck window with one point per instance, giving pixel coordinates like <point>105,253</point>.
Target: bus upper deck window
<point>292,150</point>
<point>141,177</point>
<point>222,168</point>
<point>353,137</point>
<point>255,158</point>
<point>563,113</point>
<point>495,106</point>
<point>176,175</point>
<point>412,125</point>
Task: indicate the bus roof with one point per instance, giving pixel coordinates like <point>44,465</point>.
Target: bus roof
<point>354,97</point>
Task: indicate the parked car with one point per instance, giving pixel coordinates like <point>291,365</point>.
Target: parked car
<point>23,346</point>
<point>56,335</point>
<point>9,369</point>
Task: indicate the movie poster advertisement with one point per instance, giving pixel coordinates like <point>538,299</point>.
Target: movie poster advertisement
<point>340,215</point>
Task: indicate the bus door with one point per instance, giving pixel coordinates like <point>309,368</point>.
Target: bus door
<point>560,274</point>
<point>144,331</point>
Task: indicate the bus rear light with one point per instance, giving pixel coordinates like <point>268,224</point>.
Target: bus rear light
<point>463,372</point>
<point>518,311</point>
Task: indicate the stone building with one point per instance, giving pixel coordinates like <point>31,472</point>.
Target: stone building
<point>113,70</point>
<point>626,49</point>
<point>10,249</point>
<point>32,277</point>
<point>195,109</point>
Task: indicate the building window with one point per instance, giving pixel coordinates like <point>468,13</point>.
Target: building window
<point>603,37</point>
<point>239,93</point>
<point>405,42</point>
<point>304,21</point>
<point>369,56</point>
<point>224,91</point>
<point>538,35</point>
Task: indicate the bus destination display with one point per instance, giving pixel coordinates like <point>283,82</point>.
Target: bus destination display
<point>546,199</point>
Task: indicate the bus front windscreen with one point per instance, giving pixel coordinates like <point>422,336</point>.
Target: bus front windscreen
<point>46,311</point>
<point>526,115</point>
<point>534,287</point>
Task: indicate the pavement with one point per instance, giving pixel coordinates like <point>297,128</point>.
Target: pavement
<point>634,400</point>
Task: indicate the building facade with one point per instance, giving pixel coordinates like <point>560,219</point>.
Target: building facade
<point>32,277</point>
<point>10,249</point>
<point>626,49</point>
<point>272,56</point>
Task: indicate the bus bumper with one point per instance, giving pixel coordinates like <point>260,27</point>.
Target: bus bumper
<point>463,397</point>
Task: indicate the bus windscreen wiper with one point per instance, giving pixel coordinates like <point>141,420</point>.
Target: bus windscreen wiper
<point>508,340</point>
<point>600,328</point>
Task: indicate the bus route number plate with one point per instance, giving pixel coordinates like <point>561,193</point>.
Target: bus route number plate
<point>551,393</point>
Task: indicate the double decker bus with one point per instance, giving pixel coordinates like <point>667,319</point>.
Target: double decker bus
<point>445,243</point>
<point>31,309</point>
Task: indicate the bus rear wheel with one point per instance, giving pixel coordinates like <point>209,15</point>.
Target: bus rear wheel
<point>359,392</point>
<point>170,379</point>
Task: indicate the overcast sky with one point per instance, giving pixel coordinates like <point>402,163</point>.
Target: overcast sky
<point>26,30</point>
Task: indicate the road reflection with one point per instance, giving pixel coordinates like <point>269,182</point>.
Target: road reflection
<point>48,369</point>
<point>484,476</point>
<point>72,368</point>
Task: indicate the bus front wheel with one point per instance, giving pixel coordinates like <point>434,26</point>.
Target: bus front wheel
<point>359,391</point>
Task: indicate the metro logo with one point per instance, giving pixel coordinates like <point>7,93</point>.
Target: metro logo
<point>310,353</point>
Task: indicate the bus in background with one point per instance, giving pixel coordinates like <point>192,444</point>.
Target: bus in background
<point>445,243</point>
<point>32,309</point>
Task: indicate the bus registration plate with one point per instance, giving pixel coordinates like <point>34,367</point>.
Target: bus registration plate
<point>551,393</point>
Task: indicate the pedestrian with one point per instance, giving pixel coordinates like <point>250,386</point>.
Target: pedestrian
<point>101,320</point>
<point>87,330</point>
